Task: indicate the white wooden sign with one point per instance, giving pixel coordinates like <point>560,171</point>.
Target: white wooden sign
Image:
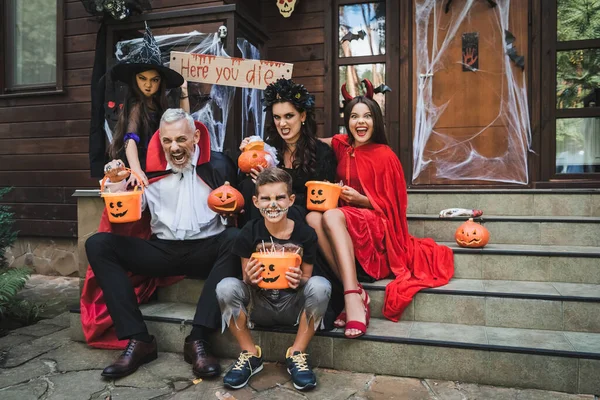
<point>238,72</point>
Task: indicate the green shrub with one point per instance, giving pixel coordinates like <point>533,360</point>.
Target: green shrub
<point>12,280</point>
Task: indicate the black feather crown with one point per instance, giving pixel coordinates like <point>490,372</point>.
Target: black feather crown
<point>287,90</point>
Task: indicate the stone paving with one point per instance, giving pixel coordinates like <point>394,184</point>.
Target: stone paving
<point>42,362</point>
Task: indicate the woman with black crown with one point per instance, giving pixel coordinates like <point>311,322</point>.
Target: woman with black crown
<point>292,130</point>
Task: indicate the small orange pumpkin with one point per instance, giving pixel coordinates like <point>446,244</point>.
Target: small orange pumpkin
<point>225,199</point>
<point>254,154</point>
<point>471,234</point>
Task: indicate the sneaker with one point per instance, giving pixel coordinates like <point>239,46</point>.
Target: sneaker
<point>241,371</point>
<point>302,375</point>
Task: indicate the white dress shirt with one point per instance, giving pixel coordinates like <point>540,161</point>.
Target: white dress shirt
<point>178,205</point>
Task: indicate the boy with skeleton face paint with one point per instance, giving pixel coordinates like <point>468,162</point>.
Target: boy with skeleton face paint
<point>305,301</point>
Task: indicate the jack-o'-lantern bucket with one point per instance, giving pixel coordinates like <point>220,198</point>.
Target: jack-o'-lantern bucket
<point>322,196</point>
<point>123,207</point>
<point>276,264</point>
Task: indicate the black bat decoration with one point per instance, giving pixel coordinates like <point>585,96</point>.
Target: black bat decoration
<point>512,50</point>
<point>383,88</point>
<point>354,36</point>
<point>492,3</point>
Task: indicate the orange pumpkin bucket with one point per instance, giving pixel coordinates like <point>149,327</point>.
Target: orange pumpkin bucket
<point>276,264</point>
<point>322,196</point>
<point>123,207</point>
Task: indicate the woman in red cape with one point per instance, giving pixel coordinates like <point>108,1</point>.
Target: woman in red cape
<point>370,226</point>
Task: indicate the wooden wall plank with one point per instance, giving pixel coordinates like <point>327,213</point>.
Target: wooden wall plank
<point>17,130</point>
<point>83,59</point>
<point>29,227</point>
<point>292,38</point>
<point>51,212</point>
<point>61,146</point>
<point>292,54</point>
<point>74,94</point>
<point>63,179</point>
<point>81,26</point>
<point>40,195</point>
<point>45,113</point>
<point>306,21</point>
<point>48,161</point>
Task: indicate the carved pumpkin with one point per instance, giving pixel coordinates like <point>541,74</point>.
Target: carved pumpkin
<point>276,264</point>
<point>123,207</point>
<point>471,234</point>
<point>225,199</point>
<point>322,196</point>
<point>253,155</point>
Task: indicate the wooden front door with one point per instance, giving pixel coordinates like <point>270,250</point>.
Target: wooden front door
<point>471,120</point>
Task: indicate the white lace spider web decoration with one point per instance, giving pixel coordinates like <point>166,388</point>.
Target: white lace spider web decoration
<point>458,158</point>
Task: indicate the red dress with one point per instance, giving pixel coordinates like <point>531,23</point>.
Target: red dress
<point>380,237</point>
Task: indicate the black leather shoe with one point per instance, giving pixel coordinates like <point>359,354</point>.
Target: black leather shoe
<point>204,364</point>
<point>135,354</point>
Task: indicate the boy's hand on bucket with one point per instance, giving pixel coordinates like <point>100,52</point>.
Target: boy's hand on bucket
<point>115,171</point>
<point>254,269</point>
<point>293,275</point>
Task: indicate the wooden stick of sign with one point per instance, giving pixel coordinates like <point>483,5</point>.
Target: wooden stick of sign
<point>228,71</point>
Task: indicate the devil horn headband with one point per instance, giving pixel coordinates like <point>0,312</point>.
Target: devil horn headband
<point>368,85</point>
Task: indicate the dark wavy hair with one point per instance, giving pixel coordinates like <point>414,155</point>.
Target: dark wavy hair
<point>305,156</point>
<point>146,124</point>
<point>287,91</point>
<point>378,124</point>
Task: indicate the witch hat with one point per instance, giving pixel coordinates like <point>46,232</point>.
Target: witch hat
<point>144,59</point>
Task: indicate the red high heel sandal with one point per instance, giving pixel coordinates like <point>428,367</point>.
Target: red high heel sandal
<point>359,326</point>
<point>340,320</point>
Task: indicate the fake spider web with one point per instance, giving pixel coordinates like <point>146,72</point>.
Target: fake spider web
<point>459,157</point>
<point>210,104</point>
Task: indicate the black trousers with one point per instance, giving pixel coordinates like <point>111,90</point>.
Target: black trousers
<point>111,256</point>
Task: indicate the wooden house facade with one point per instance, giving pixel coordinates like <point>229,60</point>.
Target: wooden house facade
<point>526,123</point>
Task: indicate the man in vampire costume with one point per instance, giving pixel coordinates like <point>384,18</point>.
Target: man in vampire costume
<point>187,239</point>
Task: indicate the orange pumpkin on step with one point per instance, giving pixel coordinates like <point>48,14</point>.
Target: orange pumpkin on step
<point>472,234</point>
<point>254,154</point>
<point>225,200</point>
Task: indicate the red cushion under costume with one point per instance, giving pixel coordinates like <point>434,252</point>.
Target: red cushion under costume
<point>96,322</point>
<point>380,236</point>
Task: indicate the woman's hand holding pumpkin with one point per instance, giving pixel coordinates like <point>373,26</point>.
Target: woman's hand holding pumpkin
<point>244,143</point>
<point>352,197</point>
<point>254,172</point>
<point>293,276</point>
<point>253,270</point>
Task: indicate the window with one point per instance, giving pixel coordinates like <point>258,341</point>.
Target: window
<point>575,123</point>
<point>361,50</point>
<point>32,48</point>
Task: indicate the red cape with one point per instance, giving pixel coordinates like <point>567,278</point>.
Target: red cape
<point>416,263</point>
<point>96,322</point>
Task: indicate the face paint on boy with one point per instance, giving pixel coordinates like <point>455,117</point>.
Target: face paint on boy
<point>273,211</point>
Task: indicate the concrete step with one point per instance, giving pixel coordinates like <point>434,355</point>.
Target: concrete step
<point>514,262</point>
<point>511,304</point>
<point>524,230</point>
<point>536,202</point>
<point>541,359</point>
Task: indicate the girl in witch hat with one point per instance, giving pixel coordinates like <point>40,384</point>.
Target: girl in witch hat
<point>146,100</point>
